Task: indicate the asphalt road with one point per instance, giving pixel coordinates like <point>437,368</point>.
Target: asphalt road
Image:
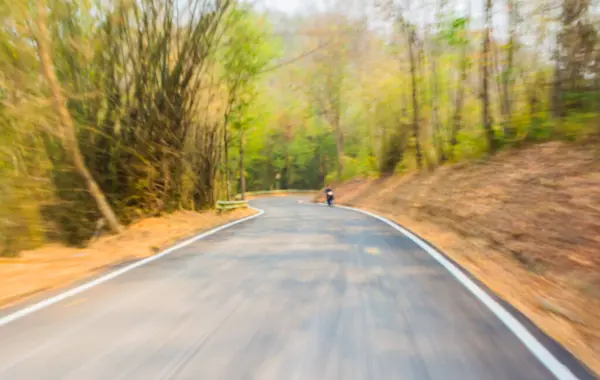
<point>301,292</point>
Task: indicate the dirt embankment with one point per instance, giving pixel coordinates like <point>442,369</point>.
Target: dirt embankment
<point>53,266</point>
<point>526,223</point>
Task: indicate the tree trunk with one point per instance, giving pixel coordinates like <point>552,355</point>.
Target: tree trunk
<point>242,165</point>
<point>333,117</point>
<point>69,134</point>
<point>556,101</point>
<point>286,172</point>
<point>226,158</point>
<point>435,110</point>
<point>485,81</point>
<point>533,105</point>
<point>460,89</point>
<point>507,75</point>
<point>339,146</point>
<point>415,101</point>
<point>270,172</point>
<point>458,101</point>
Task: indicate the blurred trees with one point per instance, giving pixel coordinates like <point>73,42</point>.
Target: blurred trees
<point>246,51</point>
<point>175,103</point>
<point>410,85</point>
<point>114,111</point>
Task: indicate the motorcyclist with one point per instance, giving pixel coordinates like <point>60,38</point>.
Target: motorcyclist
<point>329,195</point>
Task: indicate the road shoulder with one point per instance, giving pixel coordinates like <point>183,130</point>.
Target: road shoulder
<point>44,271</point>
<point>438,240</point>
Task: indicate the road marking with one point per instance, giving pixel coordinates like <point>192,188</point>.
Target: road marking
<point>559,370</point>
<point>82,288</point>
<point>372,250</point>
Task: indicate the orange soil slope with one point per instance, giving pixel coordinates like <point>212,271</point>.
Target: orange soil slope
<point>53,266</point>
<point>526,223</point>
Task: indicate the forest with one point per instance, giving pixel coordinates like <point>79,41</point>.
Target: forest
<point>115,111</point>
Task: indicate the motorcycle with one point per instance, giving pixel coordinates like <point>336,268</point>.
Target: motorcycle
<point>329,198</point>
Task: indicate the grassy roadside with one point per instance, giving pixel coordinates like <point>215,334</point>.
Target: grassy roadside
<point>53,266</point>
<point>525,224</point>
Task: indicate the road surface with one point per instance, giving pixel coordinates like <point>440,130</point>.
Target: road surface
<point>301,292</point>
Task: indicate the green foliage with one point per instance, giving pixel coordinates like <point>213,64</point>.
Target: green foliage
<point>471,145</point>
<point>247,51</point>
<point>454,31</point>
<point>577,127</point>
<point>581,101</point>
<point>392,154</point>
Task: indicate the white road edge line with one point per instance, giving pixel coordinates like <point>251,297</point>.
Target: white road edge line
<point>88,285</point>
<point>559,370</point>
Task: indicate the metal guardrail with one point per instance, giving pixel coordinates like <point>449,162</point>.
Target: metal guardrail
<point>231,205</point>
<point>266,192</point>
<point>238,203</point>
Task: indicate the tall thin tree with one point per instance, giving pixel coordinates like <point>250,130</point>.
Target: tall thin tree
<point>486,119</point>
<point>68,131</point>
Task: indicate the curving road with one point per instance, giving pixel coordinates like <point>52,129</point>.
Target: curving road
<point>301,292</point>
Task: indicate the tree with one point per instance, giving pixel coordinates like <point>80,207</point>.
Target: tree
<point>507,74</point>
<point>68,132</point>
<point>411,42</point>
<point>328,77</point>
<point>575,59</point>
<point>486,117</point>
<point>133,137</point>
<point>435,93</point>
<point>246,53</point>
<point>456,37</point>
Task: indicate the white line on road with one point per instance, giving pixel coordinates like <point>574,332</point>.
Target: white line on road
<point>88,285</point>
<point>559,370</point>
